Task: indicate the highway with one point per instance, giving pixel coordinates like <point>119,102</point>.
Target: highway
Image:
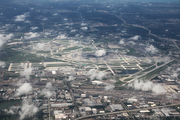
<point>122,79</point>
<point>124,111</point>
<point>138,77</point>
<point>150,33</point>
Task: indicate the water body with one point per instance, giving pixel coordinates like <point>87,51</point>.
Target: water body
<point>8,104</point>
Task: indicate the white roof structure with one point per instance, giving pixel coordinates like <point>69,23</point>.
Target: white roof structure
<point>144,111</point>
<point>60,116</point>
<point>53,72</point>
<point>131,100</point>
<point>115,107</point>
<point>85,109</point>
<point>57,112</point>
<point>97,82</point>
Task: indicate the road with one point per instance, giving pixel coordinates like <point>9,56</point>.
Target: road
<point>124,111</point>
<point>150,33</point>
<point>138,77</point>
<point>127,109</point>
<point>130,76</point>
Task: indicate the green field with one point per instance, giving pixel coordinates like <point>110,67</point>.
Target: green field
<point>71,48</point>
<point>128,79</point>
<point>157,71</point>
<point>13,56</point>
<point>8,104</point>
<point>146,70</point>
<point>87,49</point>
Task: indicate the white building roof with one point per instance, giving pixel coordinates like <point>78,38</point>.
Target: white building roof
<point>116,107</point>
<point>144,111</point>
<point>57,112</point>
<point>97,82</point>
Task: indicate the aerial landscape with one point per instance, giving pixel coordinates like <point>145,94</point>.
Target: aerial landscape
<point>89,60</point>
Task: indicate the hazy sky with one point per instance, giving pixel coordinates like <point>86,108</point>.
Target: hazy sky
<point>102,0</point>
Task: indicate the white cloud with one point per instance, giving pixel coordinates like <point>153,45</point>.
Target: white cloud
<point>147,86</point>
<point>26,73</point>
<point>34,28</point>
<point>84,28</point>
<point>132,42</point>
<point>9,36</point>
<point>121,42</point>
<point>20,18</point>
<point>71,78</point>
<point>136,37</point>
<point>27,21</point>
<point>175,74</point>
<point>151,49</point>
<point>55,14</point>
<point>2,64</point>
<point>28,109</point>
<point>31,35</point>
<point>59,37</point>
<point>100,53</point>
<point>161,59</point>
<point>158,89</point>
<point>3,38</point>
<point>74,42</point>
<point>96,74</point>
<point>47,91</point>
<point>74,30</point>
<point>25,88</point>
<point>40,46</point>
<point>9,111</point>
<point>148,61</point>
<point>178,69</point>
<point>49,85</point>
<point>109,87</point>
<point>83,24</point>
<point>45,19</point>
<point>12,110</point>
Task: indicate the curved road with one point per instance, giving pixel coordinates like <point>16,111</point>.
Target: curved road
<point>150,33</point>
